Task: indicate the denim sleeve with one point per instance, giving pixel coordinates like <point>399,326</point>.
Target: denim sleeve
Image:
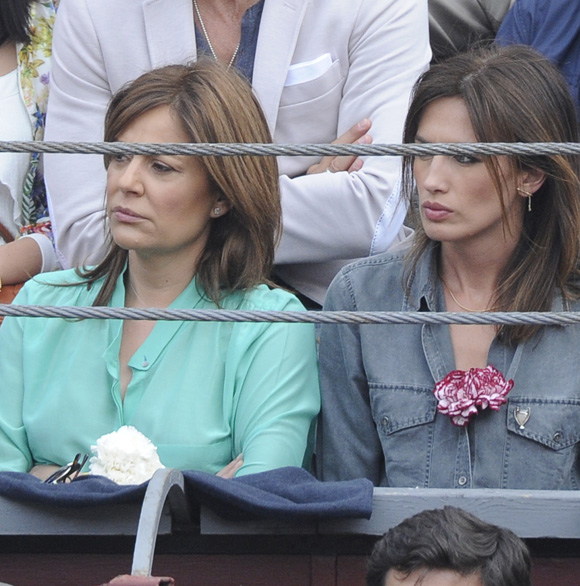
<point>348,445</point>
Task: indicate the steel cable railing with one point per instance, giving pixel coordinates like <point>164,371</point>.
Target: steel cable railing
<point>292,150</point>
<point>254,149</point>
<point>563,318</point>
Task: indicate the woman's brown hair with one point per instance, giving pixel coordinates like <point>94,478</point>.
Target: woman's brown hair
<point>213,105</point>
<point>514,94</point>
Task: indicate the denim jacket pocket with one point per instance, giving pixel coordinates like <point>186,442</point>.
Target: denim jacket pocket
<point>542,443</point>
<point>404,416</point>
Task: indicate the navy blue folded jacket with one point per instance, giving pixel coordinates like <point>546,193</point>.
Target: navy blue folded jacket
<point>289,493</point>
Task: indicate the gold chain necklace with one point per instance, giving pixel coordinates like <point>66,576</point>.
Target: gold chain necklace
<point>461,304</point>
<point>206,36</point>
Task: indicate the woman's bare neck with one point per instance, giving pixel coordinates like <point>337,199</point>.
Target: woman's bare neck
<point>157,282</point>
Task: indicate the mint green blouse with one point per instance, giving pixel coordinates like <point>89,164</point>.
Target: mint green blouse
<point>203,392</point>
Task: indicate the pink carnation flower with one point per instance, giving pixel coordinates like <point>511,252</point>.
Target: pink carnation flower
<point>460,393</point>
<point>492,387</point>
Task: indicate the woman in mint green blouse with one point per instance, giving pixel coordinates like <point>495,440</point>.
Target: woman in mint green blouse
<point>186,232</point>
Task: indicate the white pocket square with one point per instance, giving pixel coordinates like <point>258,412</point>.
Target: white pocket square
<point>308,70</point>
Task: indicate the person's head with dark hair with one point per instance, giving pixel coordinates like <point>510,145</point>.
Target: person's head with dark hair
<point>448,547</point>
<point>14,21</point>
<point>510,94</point>
<point>203,103</point>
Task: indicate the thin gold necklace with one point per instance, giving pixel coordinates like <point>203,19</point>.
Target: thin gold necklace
<point>461,304</point>
<point>206,36</point>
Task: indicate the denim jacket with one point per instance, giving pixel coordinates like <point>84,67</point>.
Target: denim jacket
<point>379,416</point>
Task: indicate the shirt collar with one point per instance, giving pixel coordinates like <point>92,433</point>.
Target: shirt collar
<point>189,298</point>
<point>426,292</point>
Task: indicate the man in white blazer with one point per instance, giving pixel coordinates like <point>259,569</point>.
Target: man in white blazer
<point>320,67</point>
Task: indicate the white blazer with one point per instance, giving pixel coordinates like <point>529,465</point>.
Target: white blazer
<point>367,55</point>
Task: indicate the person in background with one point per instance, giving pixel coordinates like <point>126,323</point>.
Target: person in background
<point>552,27</point>
<point>457,25</point>
<point>449,547</point>
<point>467,406</point>
<point>323,71</point>
<point>25,49</point>
<point>185,232</point>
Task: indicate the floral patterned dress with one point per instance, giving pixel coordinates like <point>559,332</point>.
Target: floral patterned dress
<point>33,76</point>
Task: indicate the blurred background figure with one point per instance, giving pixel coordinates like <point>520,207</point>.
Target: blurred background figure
<point>25,51</point>
<point>456,25</point>
<point>552,27</point>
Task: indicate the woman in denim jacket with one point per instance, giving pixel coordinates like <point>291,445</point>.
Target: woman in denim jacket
<point>467,405</point>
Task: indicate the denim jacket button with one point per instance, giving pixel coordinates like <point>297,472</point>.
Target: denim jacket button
<point>385,421</point>
<point>557,437</point>
<point>462,480</point>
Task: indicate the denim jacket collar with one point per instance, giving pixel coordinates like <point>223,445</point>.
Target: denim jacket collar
<point>426,292</point>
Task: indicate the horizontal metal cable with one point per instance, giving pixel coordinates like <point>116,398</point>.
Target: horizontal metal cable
<point>232,149</point>
<point>292,150</point>
<point>323,317</point>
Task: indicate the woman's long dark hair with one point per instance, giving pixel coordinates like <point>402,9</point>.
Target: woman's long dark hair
<point>14,21</point>
<point>514,94</point>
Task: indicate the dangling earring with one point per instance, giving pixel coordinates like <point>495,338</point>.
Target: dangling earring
<point>217,211</point>
<point>528,195</point>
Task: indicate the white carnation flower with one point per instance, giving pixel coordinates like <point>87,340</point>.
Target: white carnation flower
<point>125,456</point>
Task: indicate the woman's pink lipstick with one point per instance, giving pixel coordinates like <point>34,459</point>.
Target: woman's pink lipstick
<point>125,215</point>
<point>435,212</point>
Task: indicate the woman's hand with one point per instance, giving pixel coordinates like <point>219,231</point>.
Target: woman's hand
<point>43,471</point>
<point>357,134</point>
<point>230,470</point>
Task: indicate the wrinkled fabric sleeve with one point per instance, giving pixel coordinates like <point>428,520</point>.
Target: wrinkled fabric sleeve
<point>78,100</point>
<point>277,395</point>
<point>49,259</point>
<point>388,50</point>
<point>348,445</point>
<point>15,455</point>
<point>455,25</point>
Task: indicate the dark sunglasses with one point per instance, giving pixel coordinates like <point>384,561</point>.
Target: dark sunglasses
<point>68,472</point>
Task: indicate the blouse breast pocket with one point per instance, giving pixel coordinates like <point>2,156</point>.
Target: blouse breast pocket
<point>542,444</point>
<point>404,418</point>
